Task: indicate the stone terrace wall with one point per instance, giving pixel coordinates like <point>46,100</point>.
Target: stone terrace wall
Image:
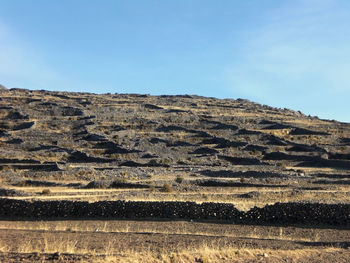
<point>279,213</point>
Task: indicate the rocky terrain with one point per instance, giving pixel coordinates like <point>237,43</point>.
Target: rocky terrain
<point>52,132</point>
<point>221,159</point>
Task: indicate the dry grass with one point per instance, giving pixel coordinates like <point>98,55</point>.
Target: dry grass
<point>208,252</point>
<point>266,195</point>
<point>178,227</point>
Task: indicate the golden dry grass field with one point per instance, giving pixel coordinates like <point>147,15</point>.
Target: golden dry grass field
<point>166,241</point>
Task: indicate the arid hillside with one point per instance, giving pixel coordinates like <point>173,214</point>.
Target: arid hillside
<point>276,180</point>
<point>187,141</point>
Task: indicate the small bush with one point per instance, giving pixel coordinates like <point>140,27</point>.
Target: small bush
<point>120,180</point>
<point>165,161</point>
<point>100,184</point>
<point>243,180</point>
<point>46,192</point>
<point>123,183</point>
<point>167,188</point>
<point>152,186</point>
<point>179,179</point>
<point>22,183</point>
<point>255,152</point>
<point>6,168</point>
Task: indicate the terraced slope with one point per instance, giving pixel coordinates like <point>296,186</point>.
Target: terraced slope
<point>193,143</point>
<point>211,160</point>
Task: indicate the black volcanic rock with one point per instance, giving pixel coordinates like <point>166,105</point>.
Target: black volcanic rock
<point>178,144</point>
<point>339,156</point>
<point>345,140</point>
<point>252,147</point>
<point>17,126</point>
<point>273,140</point>
<point>241,160</point>
<point>204,150</point>
<point>267,122</point>
<point>153,107</point>
<point>45,131</point>
<point>234,174</point>
<point>171,128</point>
<point>66,111</point>
<point>98,184</point>
<point>223,126</point>
<point>157,140</point>
<point>17,116</point>
<point>15,141</point>
<point>131,164</point>
<point>11,192</point>
<point>305,148</point>
<point>279,213</point>
<point>94,137</point>
<point>148,155</point>
<point>81,157</point>
<point>176,111</point>
<point>26,161</point>
<point>277,126</point>
<point>247,132</point>
<point>301,131</point>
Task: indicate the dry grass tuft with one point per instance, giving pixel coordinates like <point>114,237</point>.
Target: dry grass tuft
<point>168,188</point>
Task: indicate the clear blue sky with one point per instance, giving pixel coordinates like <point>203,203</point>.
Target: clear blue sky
<point>293,54</point>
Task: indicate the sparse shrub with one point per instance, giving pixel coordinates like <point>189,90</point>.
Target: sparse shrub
<point>22,183</point>
<point>343,149</point>
<point>4,168</point>
<point>46,192</point>
<point>121,180</point>
<point>167,188</point>
<point>268,181</point>
<point>152,186</point>
<point>255,152</point>
<point>243,180</point>
<point>165,161</point>
<point>282,164</point>
<point>179,179</point>
<point>58,175</point>
<point>98,184</point>
<point>205,197</point>
<point>82,172</point>
<point>8,168</point>
<point>253,194</point>
<point>122,183</point>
